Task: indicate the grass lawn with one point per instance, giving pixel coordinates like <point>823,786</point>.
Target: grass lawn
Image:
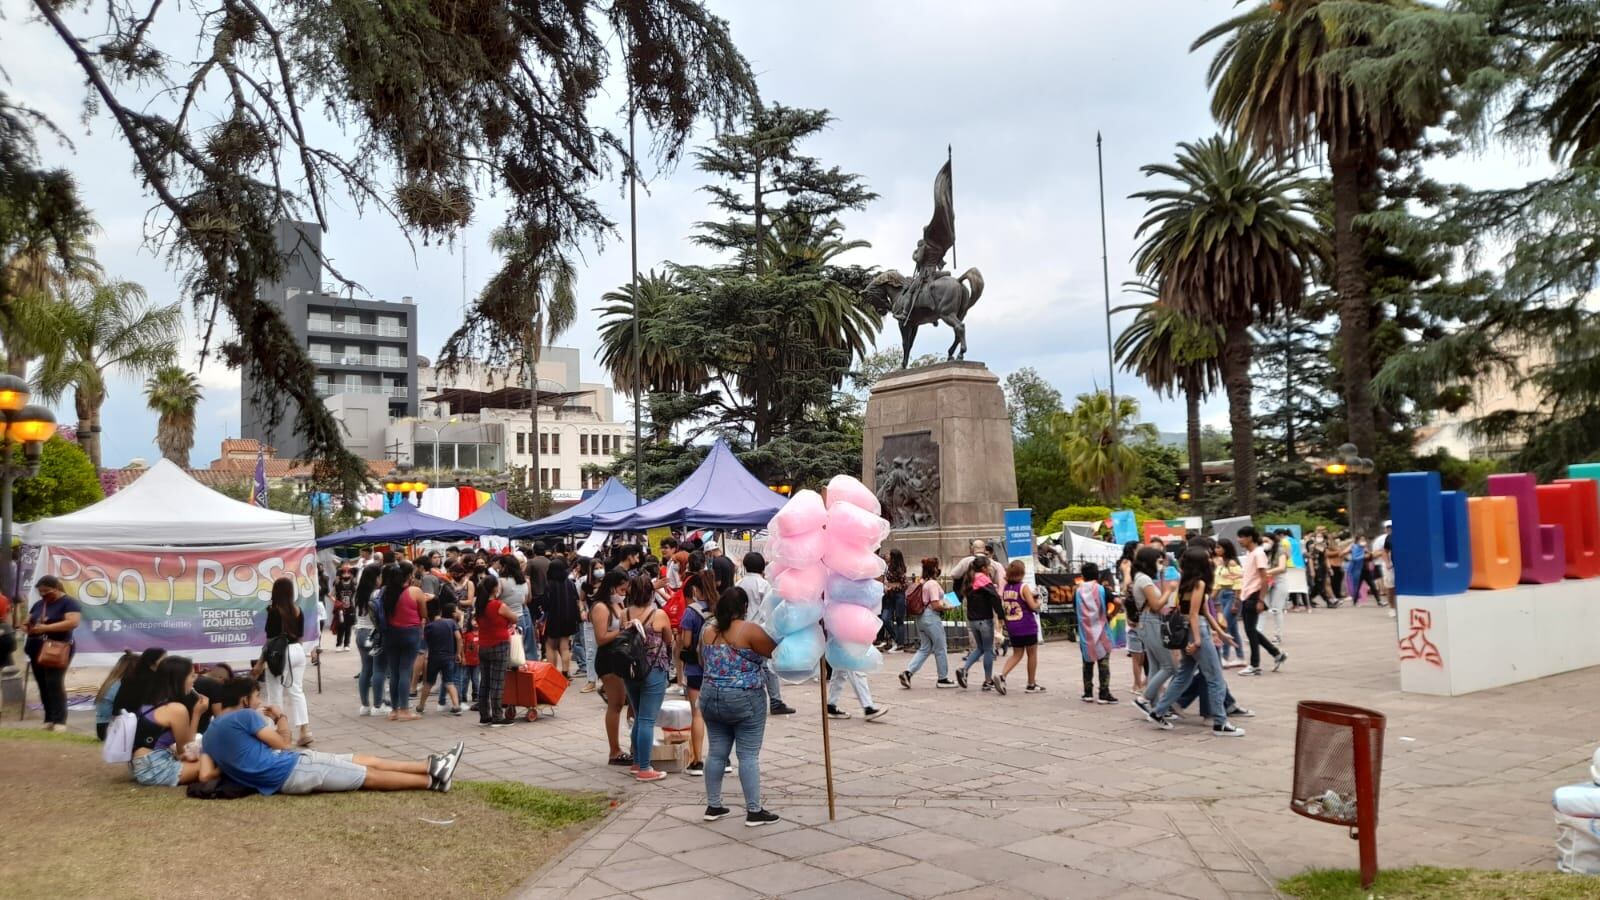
<point>1442,884</point>
<point>89,831</point>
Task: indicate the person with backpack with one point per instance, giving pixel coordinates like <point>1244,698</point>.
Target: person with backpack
<point>645,625</point>
<point>605,614</point>
<point>699,593</point>
<point>1092,601</point>
<point>930,627</point>
<point>734,655</point>
<point>283,659</point>
<point>982,608</point>
<point>1019,607</point>
<point>1199,651</point>
<point>163,726</point>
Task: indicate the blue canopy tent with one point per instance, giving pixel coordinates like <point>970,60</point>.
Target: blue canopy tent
<point>495,518</point>
<point>721,493</point>
<point>404,524</point>
<point>613,496</point>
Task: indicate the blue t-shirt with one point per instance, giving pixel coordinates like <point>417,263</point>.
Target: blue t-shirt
<point>232,743</point>
<point>440,636</point>
<point>691,623</point>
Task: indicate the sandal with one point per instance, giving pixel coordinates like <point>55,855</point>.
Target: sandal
<point>306,741</point>
<point>625,759</point>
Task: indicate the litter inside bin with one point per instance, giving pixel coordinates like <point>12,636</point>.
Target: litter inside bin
<point>1329,804</point>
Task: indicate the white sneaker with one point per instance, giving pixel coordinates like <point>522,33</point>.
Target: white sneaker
<point>383,710</point>
<point>1226,729</point>
<point>365,711</point>
<point>675,690</point>
<point>1249,671</point>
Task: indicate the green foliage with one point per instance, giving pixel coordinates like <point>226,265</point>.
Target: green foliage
<point>539,807</point>
<point>1057,519</point>
<point>66,482</point>
<point>1098,442</point>
<point>1431,883</point>
<point>174,393</point>
<point>1306,519</point>
<point>1043,483</point>
<point>428,106</point>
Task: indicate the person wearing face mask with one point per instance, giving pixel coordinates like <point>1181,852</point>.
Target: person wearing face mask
<point>583,647</point>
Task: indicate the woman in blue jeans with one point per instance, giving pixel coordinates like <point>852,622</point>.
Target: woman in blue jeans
<point>647,693</point>
<point>404,609</point>
<point>1200,654</point>
<point>930,628</point>
<point>733,702</point>
<point>369,684</point>
<point>1229,575</point>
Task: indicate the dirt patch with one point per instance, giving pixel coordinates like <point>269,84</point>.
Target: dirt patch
<point>91,832</point>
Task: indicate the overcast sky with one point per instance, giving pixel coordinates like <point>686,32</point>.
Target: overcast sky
<point>1019,89</point>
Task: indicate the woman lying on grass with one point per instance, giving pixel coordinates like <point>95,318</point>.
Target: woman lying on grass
<point>242,744</point>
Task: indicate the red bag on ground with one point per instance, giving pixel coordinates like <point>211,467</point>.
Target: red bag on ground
<point>548,684</point>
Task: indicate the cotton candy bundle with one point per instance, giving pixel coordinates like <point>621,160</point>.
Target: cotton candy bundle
<point>826,568</point>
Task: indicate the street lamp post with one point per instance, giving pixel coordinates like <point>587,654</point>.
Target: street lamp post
<point>1349,463</point>
<point>29,427</point>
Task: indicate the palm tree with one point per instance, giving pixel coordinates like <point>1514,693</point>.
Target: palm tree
<point>106,327</point>
<point>1097,440</point>
<point>1277,81</point>
<point>1229,243</point>
<point>800,245</point>
<point>44,245</point>
<point>534,295</point>
<point>658,362</point>
<point>1172,352</point>
<point>173,393</point>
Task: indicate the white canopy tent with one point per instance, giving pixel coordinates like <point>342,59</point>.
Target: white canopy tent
<point>165,507</point>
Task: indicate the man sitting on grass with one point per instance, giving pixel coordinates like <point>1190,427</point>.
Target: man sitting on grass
<point>242,744</point>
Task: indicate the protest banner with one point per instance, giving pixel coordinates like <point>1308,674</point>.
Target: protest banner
<point>208,603</point>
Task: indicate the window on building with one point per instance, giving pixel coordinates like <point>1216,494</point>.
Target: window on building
<point>522,443</point>
<point>555,479</point>
<point>544,479</point>
<point>544,443</point>
<point>555,444</point>
<point>605,444</point>
<point>583,445</point>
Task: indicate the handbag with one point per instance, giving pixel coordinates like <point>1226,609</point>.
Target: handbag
<point>518,656</point>
<point>54,654</point>
<point>1175,629</point>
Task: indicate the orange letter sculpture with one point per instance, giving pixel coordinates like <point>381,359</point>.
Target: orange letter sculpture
<point>1496,545</point>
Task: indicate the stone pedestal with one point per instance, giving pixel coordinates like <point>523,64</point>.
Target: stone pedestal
<point>937,451</point>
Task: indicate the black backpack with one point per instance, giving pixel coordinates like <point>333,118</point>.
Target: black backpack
<point>629,660</point>
<point>276,654</point>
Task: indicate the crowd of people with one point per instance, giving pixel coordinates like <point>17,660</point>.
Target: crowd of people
<point>637,628</point>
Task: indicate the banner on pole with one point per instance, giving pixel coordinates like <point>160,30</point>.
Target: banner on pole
<point>1124,526</point>
<point>209,604</point>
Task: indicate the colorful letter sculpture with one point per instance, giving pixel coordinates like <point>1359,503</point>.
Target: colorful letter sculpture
<point>1544,555</point>
<point>1496,546</point>
<point>1574,504</point>
<point>1431,548</point>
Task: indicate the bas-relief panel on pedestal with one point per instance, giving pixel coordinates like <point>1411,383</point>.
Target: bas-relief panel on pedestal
<point>907,479</point>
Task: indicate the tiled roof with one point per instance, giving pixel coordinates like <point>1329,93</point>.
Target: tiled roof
<point>276,468</point>
<point>212,478</point>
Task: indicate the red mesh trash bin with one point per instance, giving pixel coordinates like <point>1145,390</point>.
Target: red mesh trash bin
<point>1338,763</point>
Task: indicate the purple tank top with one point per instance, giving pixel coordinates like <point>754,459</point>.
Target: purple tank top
<point>1020,621</point>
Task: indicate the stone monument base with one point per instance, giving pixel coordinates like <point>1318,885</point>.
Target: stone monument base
<point>937,451</point>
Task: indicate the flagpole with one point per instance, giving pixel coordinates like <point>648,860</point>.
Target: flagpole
<point>1105,272</point>
<point>633,251</point>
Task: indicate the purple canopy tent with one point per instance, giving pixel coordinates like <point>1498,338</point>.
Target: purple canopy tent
<point>612,497</point>
<point>721,493</point>
<point>495,518</point>
<point>404,524</point>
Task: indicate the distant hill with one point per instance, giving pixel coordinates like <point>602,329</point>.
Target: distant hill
<point>1175,439</point>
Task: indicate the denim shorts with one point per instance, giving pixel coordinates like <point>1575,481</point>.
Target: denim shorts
<point>158,768</point>
<point>324,772</point>
<point>1135,642</point>
<point>438,669</point>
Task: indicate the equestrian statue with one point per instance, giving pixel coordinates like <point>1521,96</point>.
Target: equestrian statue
<point>930,295</point>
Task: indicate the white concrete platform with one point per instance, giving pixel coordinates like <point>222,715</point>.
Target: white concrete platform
<point>1461,643</point>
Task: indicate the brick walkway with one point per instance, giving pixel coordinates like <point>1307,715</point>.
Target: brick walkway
<point>965,794</point>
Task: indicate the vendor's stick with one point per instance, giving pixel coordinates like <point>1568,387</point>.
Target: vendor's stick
<point>827,746</point>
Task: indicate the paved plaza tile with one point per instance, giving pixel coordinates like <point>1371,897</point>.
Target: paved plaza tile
<point>966,794</point>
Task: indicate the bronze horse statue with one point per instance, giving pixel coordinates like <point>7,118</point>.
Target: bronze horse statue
<point>937,298</point>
